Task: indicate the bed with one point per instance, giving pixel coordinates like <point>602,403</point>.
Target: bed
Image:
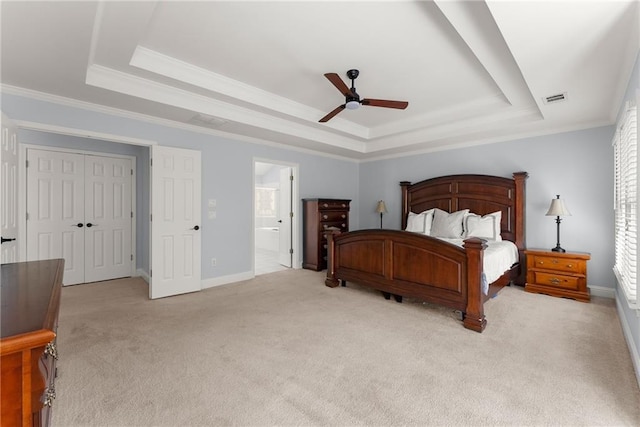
<point>414,265</point>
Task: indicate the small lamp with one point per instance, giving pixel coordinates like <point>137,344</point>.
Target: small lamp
<point>381,209</point>
<point>558,209</point>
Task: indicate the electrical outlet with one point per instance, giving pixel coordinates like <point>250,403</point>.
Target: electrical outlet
<point>214,262</point>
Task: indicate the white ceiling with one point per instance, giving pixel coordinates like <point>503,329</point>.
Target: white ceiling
<point>473,72</point>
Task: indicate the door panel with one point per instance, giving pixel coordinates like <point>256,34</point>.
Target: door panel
<point>108,216</point>
<point>176,221</point>
<point>55,209</point>
<point>9,192</point>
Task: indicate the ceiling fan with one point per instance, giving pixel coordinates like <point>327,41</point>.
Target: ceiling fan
<point>352,99</point>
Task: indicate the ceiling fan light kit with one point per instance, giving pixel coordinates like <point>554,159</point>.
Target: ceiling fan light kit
<point>352,100</point>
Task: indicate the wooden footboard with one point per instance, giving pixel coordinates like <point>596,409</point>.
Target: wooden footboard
<point>412,265</point>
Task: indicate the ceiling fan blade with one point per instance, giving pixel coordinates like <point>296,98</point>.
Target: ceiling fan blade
<point>331,114</point>
<point>401,105</point>
<point>337,82</point>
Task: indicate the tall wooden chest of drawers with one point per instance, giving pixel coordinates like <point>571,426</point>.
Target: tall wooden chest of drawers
<point>319,217</point>
<point>561,274</point>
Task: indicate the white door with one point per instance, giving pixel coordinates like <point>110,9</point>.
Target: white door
<point>175,221</point>
<point>108,218</point>
<point>9,189</point>
<point>55,210</point>
<point>285,252</point>
<point>79,207</point>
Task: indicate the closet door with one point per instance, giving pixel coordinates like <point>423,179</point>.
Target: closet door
<point>79,208</point>
<point>55,210</point>
<point>108,218</point>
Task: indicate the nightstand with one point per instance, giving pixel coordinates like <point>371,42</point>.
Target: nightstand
<point>558,274</point>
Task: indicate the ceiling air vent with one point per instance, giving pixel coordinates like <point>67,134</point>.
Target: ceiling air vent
<point>207,121</point>
<point>555,98</point>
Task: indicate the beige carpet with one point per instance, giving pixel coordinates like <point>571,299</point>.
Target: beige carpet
<point>283,349</point>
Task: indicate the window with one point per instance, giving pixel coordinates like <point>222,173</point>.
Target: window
<point>266,202</point>
<point>625,149</point>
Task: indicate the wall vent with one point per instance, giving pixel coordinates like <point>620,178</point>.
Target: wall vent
<point>207,121</point>
<point>559,97</point>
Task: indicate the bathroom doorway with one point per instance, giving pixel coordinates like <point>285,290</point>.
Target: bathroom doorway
<point>274,217</point>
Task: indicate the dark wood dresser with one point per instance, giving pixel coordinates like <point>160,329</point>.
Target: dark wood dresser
<point>319,217</point>
<point>30,306</point>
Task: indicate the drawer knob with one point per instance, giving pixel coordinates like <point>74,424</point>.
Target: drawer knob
<point>555,281</point>
<point>344,225</point>
<point>344,216</point>
<point>326,205</point>
<point>325,216</point>
<point>570,265</point>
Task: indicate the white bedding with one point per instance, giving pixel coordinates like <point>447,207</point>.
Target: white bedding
<point>499,256</point>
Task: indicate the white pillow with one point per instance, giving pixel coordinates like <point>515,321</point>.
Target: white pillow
<point>419,223</point>
<point>448,225</point>
<point>485,227</point>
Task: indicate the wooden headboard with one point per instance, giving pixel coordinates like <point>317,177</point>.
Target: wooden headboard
<point>481,194</point>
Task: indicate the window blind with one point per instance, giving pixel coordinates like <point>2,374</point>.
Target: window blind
<point>625,145</point>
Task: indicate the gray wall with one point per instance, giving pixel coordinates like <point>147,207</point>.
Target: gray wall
<point>576,165</point>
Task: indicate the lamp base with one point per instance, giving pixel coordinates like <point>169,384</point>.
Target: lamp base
<point>558,249</point>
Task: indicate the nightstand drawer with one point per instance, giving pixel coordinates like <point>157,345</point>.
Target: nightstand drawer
<point>559,264</point>
<point>557,280</point>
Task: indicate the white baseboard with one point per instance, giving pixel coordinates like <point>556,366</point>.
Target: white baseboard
<point>601,291</point>
<point>224,280</point>
<point>141,273</point>
<point>635,357</point>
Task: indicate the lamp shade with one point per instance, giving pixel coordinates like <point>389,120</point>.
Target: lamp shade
<point>557,208</point>
<point>381,208</point>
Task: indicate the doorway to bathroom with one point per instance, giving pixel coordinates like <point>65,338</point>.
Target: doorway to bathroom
<point>275,216</point>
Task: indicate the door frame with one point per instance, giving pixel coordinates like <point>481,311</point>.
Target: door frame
<point>22,196</point>
<point>295,223</point>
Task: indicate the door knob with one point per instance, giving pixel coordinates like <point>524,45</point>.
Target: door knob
<point>89,225</point>
<point>79,225</point>
<point>280,221</point>
<point>2,240</point>
<point>196,228</point>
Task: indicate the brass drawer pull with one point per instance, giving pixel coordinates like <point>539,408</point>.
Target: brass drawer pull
<point>555,281</point>
<point>51,350</point>
<point>49,396</point>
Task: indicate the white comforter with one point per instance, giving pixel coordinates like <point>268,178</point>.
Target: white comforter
<point>498,258</point>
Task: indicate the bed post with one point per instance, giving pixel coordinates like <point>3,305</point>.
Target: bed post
<point>474,316</point>
<point>520,226</point>
<point>331,280</point>
<point>405,203</point>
